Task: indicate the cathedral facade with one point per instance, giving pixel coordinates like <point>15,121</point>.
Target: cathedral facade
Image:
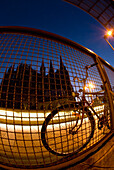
<point>25,88</point>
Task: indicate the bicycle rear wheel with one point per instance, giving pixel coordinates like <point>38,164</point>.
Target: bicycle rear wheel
<point>55,130</point>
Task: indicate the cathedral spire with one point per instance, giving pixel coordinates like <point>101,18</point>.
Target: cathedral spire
<point>42,68</point>
<point>61,62</point>
<point>62,67</point>
<point>51,68</point>
<point>51,71</point>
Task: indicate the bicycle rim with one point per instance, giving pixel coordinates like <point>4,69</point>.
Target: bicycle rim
<point>55,131</point>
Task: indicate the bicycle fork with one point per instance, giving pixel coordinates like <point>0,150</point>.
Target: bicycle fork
<point>76,131</point>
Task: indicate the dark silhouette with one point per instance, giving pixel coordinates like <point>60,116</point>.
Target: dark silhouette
<point>25,88</point>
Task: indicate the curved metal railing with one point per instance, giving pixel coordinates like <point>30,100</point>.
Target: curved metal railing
<point>36,76</point>
<point>102,11</point>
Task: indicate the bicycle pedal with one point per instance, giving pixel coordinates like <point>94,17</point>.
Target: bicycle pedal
<point>104,133</point>
<point>70,131</point>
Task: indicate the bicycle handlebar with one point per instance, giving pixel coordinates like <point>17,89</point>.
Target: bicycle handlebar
<point>91,65</point>
<point>86,67</point>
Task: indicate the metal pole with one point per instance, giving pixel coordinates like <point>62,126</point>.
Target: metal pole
<point>108,43</point>
<point>108,90</point>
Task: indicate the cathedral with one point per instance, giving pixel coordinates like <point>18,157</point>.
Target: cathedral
<point>25,88</point>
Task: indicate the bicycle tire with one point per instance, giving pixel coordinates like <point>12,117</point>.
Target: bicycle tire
<point>53,148</point>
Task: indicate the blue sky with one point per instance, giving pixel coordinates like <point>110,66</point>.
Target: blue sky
<point>58,17</point>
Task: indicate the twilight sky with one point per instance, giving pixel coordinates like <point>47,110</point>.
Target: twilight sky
<point>58,17</point>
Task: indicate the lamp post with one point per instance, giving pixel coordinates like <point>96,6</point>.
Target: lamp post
<point>110,33</point>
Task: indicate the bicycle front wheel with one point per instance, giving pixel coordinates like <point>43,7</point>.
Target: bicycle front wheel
<point>55,130</point>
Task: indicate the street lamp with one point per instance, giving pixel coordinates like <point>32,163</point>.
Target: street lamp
<point>109,33</point>
<point>90,86</point>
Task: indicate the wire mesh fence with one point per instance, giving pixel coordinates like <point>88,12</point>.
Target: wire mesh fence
<point>43,117</point>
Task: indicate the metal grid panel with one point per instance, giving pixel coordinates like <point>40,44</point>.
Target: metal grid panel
<point>110,74</point>
<point>102,10</point>
<point>36,76</point>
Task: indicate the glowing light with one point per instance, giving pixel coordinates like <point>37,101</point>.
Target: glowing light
<point>109,33</point>
<point>85,87</point>
<point>91,86</point>
<point>90,51</point>
<point>37,128</point>
<point>26,116</point>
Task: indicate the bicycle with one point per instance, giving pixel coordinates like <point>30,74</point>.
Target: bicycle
<point>63,134</point>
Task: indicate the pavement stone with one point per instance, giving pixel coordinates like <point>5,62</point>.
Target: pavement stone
<point>103,159</point>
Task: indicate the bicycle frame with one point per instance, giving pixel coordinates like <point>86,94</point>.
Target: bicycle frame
<point>84,101</point>
<point>81,108</point>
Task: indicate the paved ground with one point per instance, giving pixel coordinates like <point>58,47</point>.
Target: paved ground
<point>102,159</point>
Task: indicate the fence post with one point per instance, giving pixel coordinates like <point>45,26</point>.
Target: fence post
<point>107,85</point>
